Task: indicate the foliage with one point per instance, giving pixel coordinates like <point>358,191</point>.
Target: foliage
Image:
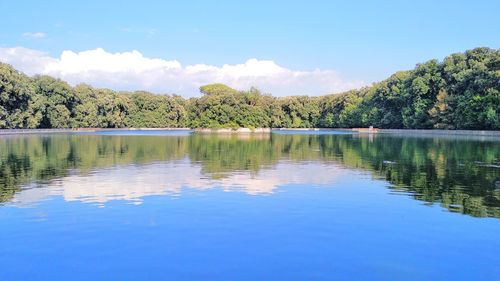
<point>224,107</point>
<point>155,111</point>
<point>461,92</point>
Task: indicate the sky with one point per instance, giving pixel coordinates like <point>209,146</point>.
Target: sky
<point>281,47</point>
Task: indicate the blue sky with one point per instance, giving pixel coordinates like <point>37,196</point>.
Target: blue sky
<point>359,40</point>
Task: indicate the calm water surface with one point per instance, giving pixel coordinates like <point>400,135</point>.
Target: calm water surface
<point>287,206</point>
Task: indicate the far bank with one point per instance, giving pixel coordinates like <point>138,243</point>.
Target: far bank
<point>414,132</point>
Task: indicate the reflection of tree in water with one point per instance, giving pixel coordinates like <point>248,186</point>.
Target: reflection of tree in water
<point>220,155</point>
<point>13,169</point>
<point>41,158</point>
<point>448,171</point>
<point>452,172</point>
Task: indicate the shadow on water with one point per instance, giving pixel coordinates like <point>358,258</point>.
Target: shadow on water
<point>462,175</point>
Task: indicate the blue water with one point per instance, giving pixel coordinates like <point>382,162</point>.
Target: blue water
<point>282,207</point>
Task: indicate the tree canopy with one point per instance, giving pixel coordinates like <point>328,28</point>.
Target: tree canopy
<point>461,92</point>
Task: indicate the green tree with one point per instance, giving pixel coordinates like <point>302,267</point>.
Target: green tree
<point>59,100</point>
<point>461,92</point>
<point>18,106</point>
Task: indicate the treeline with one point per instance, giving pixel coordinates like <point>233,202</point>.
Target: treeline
<point>461,92</point>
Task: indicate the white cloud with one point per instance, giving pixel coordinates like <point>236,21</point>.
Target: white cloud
<point>34,35</point>
<point>132,71</point>
<point>27,60</point>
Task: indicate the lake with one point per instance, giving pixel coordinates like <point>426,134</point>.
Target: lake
<point>173,205</point>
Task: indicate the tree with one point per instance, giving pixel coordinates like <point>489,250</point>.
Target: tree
<point>18,107</point>
<point>217,89</point>
<point>461,92</point>
<point>59,98</point>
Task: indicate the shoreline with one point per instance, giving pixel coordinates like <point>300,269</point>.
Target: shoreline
<point>260,131</point>
<point>233,131</point>
<point>401,131</point>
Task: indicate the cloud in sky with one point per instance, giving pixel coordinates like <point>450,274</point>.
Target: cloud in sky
<point>34,35</point>
<point>133,71</point>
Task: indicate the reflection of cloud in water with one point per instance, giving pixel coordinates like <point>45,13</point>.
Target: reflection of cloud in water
<point>133,182</point>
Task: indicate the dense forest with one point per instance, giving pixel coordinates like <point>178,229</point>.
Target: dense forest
<point>460,92</point>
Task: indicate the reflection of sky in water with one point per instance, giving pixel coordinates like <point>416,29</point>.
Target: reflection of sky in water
<point>347,226</point>
<point>133,182</point>
<point>459,174</point>
<point>268,207</point>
